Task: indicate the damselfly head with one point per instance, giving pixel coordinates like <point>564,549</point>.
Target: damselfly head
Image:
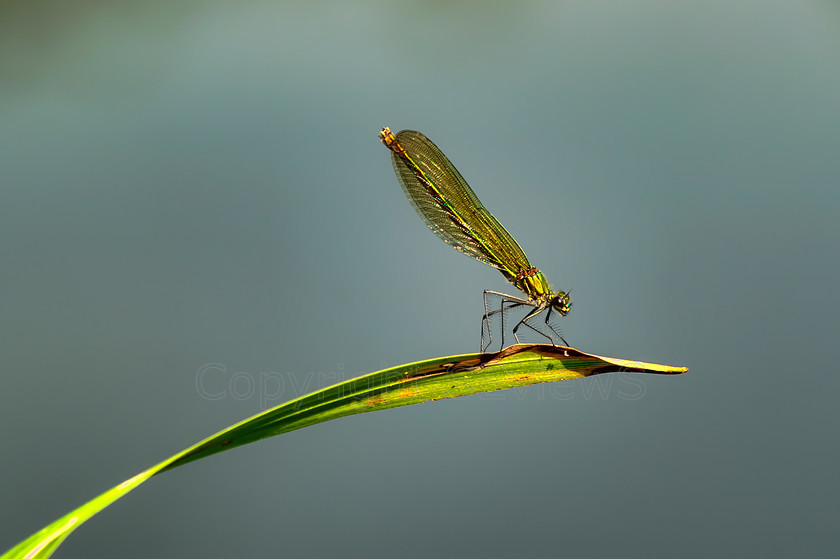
<point>561,302</point>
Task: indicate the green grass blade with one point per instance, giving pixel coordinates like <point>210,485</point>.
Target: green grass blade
<point>444,377</point>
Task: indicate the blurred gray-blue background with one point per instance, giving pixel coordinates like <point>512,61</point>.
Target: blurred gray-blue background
<point>198,222</point>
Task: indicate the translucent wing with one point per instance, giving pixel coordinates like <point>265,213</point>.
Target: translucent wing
<point>447,204</point>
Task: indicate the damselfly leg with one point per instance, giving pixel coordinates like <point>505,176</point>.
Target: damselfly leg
<point>507,303</point>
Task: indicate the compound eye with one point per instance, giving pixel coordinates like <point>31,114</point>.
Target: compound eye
<point>567,303</point>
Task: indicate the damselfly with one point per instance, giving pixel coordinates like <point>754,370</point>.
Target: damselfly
<point>450,208</point>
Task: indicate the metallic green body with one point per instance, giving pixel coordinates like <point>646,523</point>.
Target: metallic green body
<point>444,200</point>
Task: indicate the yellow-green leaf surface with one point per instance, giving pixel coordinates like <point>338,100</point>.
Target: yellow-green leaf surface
<point>444,377</point>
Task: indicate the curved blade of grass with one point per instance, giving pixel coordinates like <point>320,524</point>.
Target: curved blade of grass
<point>444,377</point>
